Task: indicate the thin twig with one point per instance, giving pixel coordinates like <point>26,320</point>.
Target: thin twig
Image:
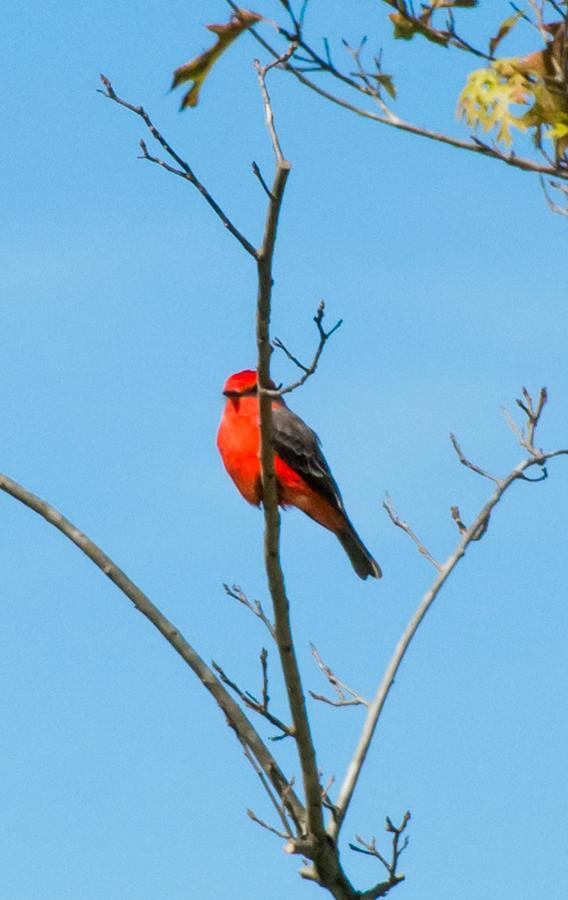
<point>555,207</point>
<point>470,465</point>
<point>472,146</point>
<point>400,523</point>
<point>265,825</point>
<point>307,370</point>
<point>185,171</point>
<point>369,848</point>
<point>262,71</point>
<point>339,686</point>
<point>252,703</point>
<point>258,174</point>
<point>280,807</point>
<point>255,606</point>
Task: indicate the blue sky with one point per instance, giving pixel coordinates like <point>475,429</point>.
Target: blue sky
<point>124,307</point>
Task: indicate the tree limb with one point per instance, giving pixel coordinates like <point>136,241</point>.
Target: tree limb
<point>185,171</point>
<point>245,731</point>
<point>274,571</point>
<point>315,844</point>
<point>469,535</point>
<point>394,121</point>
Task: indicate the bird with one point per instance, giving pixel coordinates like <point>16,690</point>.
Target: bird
<point>303,476</point>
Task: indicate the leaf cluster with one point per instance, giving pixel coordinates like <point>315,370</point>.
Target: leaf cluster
<point>528,93</point>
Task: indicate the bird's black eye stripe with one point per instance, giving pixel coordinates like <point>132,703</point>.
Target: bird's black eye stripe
<point>249,392</point>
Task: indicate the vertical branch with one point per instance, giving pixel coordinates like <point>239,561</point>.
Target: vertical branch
<point>296,699</point>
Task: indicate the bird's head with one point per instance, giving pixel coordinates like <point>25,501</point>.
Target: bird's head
<point>242,384</point>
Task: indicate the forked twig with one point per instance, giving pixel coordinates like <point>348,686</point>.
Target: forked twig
<point>184,171</point>
<point>255,606</point>
<point>341,689</point>
<point>250,700</point>
<point>307,370</point>
<point>369,848</point>
<point>404,526</point>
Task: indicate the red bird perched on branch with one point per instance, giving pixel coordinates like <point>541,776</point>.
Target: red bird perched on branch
<point>303,475</point>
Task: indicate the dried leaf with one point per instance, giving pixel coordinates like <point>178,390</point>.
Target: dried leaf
<point>547,62</point>
<point>387,82</point>
<point>504,30</point>
<point>197,70</point>
<point>404,29</point>
<point>454,4</point>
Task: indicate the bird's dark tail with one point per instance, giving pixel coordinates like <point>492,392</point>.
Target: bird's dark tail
<point>361,559</point>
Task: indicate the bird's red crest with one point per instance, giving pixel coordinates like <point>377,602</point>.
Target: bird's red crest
<point>240,382</point>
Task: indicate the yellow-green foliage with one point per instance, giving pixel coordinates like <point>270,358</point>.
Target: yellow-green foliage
<point>510,94</point>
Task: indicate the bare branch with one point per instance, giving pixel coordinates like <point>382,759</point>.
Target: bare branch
<point>316,845</point>
<point>339,686</point>
<point>258,174</point>
<point>466,462</point>
<point>185,171</point>
<point>369,848</point>
<point>280,807</point>
<point>471,534</point>
<point>236,718</point>
<point>533,415</point>
<point>394,121</point>
<point>263,824</point>
<point>255,606</point>
<point>262,71</point>
<point>275,575</point>
<point>307,370</point>
<point>251,701</point>
<point>400,523</point>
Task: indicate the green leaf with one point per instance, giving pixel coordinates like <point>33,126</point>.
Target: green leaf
<point>197,69</point>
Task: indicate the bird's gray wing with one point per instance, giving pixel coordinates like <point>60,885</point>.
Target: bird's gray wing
<point>299,447</point>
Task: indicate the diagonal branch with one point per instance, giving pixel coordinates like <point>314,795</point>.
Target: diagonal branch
<point>279,805</point>
<point>252,703</point>
<point>400,523</point>
<point>469,535</point>
<point>341,689</point>
<point>394,121</point>
<point>184,171</point>
<point>236,718</point>
<point>255,606</point>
